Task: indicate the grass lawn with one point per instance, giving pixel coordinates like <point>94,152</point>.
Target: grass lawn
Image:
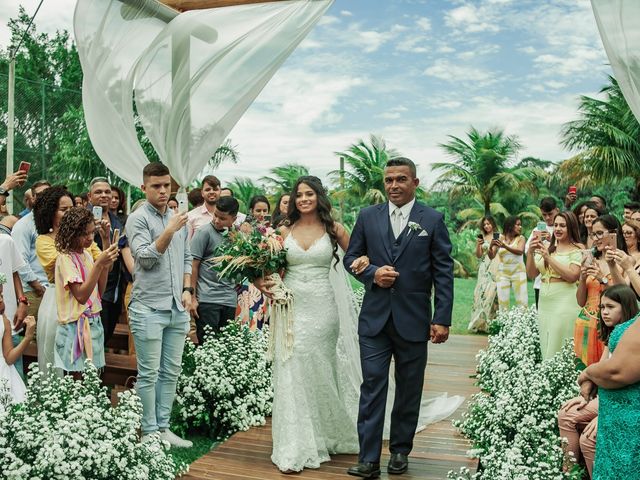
<point>201,446</point>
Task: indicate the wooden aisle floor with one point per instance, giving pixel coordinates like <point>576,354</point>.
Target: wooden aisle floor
<point>437,449</point>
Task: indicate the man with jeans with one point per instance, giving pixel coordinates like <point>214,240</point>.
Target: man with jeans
<point>160,300</point>
<point>214,301</point>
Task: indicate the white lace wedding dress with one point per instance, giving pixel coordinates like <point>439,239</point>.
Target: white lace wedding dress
<point>316,390</point>
<point>315,406</point>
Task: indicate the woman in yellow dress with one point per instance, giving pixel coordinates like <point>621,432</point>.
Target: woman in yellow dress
<point>558,261</point>
<point>509,248</point>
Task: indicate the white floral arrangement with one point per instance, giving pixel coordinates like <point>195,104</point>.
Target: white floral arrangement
<point>68,429</point>
<point>513,421</point>
<point>225,385</point>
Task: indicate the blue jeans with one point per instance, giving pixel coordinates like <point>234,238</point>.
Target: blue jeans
<point>18,363</point>
<point>159,337</point>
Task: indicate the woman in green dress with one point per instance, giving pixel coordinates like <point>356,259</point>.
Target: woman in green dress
<point>617,381</point>
<point>558,261</point>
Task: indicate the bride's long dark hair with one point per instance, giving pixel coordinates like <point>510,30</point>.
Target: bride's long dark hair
<point>323,208</point>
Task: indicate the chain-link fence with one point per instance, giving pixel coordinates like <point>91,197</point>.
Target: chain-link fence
<point>39,108</point>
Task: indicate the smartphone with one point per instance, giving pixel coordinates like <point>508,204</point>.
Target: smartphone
<point>24,167</point>
<point>267,218</point>
<point>496,235</point>
<point>587,257</point>
<point>116,237</point>
<point>97,213</point>
<point>541,226</point>
<point>610,240</point>
<point>572,189</point>
<point>183,202</point>
<point>480,236</point>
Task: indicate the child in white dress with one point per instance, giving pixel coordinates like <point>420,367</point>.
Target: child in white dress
<point>8,373</point>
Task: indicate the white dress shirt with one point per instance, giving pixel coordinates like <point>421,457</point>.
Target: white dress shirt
<point>405,210</point>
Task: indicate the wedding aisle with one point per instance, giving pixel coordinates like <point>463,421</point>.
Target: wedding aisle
<point>438,449</point>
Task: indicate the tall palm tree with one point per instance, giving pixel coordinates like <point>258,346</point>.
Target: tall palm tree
<point>283,178</point>
<point>363,179</point>
<point>483,165</point>
<point>244,189</point>
<point>607,137</point>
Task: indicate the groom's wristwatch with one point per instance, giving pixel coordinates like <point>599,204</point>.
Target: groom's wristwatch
<point>188,289</point>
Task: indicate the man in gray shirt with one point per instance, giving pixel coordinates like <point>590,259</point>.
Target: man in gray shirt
<point>214,301</point>
<point>160,300</point>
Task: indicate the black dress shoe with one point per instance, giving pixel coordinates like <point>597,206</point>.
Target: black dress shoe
<point>365,470</point>
<point>398,464</point>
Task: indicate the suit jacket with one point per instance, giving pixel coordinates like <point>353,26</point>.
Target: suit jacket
<point>423,259</point>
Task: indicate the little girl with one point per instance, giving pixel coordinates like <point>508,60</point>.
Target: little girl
<point>577,418</point>
<point>10,354</point>
<point>79,284</point>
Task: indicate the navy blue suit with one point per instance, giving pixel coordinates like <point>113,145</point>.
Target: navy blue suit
<point>396,321</point>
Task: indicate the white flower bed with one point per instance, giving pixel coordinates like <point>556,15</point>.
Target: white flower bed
<point>67,429</point>
<point>513,421</point>
<point>225,385</point>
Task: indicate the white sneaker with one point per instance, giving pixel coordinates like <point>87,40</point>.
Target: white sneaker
<point>149,437</point>
<point>174,440</point>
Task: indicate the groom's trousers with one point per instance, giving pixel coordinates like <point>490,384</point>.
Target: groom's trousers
<point>410,362</point>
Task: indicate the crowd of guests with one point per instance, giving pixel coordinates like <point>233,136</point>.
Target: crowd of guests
<point>71,265</point>
<point>585,264</point>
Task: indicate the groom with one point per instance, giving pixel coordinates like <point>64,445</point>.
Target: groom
<point>410,253</point>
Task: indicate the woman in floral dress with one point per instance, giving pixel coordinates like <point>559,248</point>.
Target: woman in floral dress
<point>484,295</point>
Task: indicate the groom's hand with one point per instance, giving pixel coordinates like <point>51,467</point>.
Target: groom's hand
<point>439,333</point>
<point>385,276</point>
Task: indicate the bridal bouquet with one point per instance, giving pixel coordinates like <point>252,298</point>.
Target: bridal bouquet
<point>250,255</point>
<point>260,253</point>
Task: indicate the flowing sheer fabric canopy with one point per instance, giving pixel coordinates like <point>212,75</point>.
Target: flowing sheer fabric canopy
<point>619,25</point>
<point>187,78</point>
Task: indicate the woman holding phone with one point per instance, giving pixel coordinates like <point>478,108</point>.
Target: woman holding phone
<point>508,248</point>
<point>484,295</point>
<point>559,265</point>
<point>595,277</point>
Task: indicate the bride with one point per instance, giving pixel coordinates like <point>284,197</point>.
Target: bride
<point>316,388</point>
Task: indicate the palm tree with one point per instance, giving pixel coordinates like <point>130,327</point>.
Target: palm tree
<point>283,178</point>
<point>472,215</point>
<point>244,189</point>
<point>607,137</point>
<point>482,167</point>
<point>363,179</point>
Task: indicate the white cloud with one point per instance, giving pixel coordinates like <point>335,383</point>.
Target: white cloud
<point>457,73</point>
<point>469,18</point>
<point>413,44</point>
<point>52,16</point>
<point>424,23</point>
<point>346,13</point>
<point>481,50</point>
<point>368,40</point>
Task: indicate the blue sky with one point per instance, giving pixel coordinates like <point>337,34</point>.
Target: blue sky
<point>413,71</point>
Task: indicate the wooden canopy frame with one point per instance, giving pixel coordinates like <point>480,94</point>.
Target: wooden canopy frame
<point>184,5</point>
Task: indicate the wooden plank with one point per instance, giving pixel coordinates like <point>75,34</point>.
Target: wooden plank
<point>184,5</point>
<point>437,449</point>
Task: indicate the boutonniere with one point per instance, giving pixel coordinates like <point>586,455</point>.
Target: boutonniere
<point>414,227</point>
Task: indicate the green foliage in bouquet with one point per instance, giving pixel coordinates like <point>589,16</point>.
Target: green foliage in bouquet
<point>68,429</point>
<point>513,421</point>
<point>225,384</point>
<point>250,255</point>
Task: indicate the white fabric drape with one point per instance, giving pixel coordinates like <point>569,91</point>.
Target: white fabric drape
<point>619,25</point>
<point>191,77</point>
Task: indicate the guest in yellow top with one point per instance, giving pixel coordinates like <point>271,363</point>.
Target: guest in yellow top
<point>79,285</point>
<point>509,248</point>
<point>48,211</point>
<point>558,261</point>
